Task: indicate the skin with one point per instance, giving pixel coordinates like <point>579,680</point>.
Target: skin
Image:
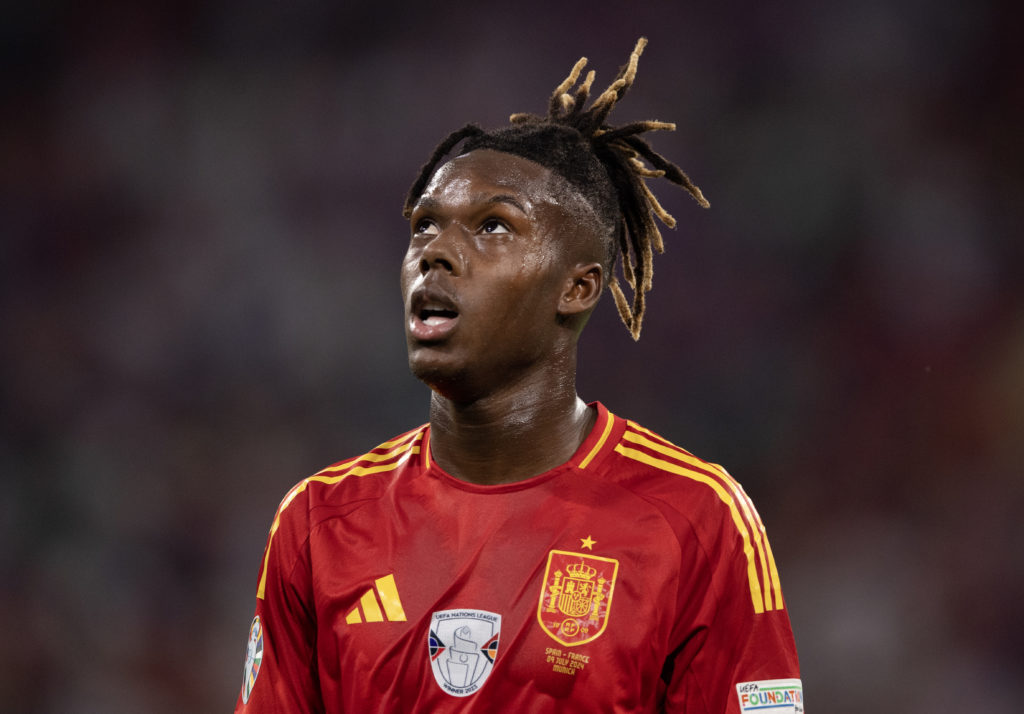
<point>502,271</point>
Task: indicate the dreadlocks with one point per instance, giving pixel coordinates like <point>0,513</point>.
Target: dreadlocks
<point>607,164</point>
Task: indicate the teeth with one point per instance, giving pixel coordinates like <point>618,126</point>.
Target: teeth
<point>436,313</point>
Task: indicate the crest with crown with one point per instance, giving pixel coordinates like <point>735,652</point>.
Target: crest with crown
<point>576,598</point>
<point>580,571</point>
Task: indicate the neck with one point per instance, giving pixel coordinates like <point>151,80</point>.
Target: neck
<point>509,436</point>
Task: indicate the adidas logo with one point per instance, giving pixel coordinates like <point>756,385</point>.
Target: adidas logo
<point>369,608</point>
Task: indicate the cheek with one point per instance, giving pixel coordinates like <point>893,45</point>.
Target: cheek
<point>407,272</point>
<point>527,297</point>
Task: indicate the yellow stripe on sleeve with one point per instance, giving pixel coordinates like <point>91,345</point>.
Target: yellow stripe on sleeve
<point>769,573</point>
<point>375,457</point>
<point>333,474</point>
<point>768,569</point>
<point>779,605</point>
<point>756,595</point>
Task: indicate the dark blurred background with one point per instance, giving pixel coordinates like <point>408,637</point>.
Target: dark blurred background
<point>201,230</point>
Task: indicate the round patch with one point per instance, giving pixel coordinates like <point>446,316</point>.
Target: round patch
<point>253,658</point>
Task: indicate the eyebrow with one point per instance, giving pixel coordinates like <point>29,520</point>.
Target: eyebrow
<point>510,200</point>
<point>430,203</point>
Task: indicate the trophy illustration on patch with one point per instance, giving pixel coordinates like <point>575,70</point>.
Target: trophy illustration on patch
<point>463,645</point>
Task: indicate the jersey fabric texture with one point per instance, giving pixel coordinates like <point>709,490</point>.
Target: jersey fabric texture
<point>633,578</point>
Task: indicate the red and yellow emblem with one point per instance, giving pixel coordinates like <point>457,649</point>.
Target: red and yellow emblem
<point>577,596</point>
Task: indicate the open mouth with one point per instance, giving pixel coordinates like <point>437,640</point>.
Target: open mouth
<point>436,315</point>
<point>433,317</point>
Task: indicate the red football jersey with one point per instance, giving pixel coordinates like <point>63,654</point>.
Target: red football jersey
<point>633,578</point>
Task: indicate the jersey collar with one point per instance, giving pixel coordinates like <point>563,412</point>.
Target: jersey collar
<point>601,440</point>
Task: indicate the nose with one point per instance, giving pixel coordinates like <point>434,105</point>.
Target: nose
<point>443,252</point>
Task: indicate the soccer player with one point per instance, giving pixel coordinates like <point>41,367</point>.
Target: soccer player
<point>525,551</point>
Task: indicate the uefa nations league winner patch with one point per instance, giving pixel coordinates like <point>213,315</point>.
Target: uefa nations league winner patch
<point>463,645</point>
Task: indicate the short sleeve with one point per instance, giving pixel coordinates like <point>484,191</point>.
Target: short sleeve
<point>280,672</point>
<point>737,653</point>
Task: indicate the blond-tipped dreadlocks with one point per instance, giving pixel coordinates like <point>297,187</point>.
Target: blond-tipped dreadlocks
<point>605,163</point>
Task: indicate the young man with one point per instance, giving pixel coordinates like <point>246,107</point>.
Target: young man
<point>524,551</point>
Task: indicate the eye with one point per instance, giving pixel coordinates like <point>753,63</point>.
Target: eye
<point>425,226</point>
<point>493,225</point>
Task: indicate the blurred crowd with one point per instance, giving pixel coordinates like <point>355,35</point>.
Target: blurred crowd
<point>200,221</point>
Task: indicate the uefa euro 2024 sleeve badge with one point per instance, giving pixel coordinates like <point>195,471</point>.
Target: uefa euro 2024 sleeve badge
<point>463,645</point>
<point>576,599</point>
<point>253,658</point>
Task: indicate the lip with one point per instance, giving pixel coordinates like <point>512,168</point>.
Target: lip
<point>434,327</point>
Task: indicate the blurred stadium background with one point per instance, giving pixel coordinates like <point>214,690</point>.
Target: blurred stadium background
<point>200,216</point>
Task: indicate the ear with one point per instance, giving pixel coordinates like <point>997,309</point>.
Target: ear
<point>582,290</point>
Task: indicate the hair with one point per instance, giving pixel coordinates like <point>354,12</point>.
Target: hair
<point>608,165</point>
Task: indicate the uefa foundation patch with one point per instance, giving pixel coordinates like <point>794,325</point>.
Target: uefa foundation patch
<point>777,696</point>
<point>253,658</point>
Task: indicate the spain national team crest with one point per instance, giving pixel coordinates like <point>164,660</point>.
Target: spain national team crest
<point>253,658</point>
<point>577,596</point>
<point>463,645</point>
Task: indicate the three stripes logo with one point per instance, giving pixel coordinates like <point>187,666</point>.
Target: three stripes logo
<point>379,603</point>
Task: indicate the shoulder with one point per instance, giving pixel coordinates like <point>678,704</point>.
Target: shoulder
<point>655,468</point>
<point>347,483</point>
<point>693,495</point>
<point>702,498</point>
<point>333,491</point>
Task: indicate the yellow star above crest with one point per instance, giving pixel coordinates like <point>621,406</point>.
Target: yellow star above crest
<point>587,542</point>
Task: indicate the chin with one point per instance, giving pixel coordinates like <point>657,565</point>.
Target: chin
<point>446,380</point>
<point>438,374</point>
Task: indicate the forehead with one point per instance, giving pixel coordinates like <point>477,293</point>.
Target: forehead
<point>485,172</point>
